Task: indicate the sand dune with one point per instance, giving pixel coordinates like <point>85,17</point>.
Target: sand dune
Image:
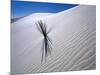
<point>73,34</point>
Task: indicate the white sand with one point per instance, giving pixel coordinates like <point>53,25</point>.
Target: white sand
<point>73,34</point>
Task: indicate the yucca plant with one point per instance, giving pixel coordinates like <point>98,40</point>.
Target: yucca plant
<point>47,42</point>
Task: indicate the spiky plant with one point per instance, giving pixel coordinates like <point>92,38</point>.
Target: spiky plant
<point>47,42</point>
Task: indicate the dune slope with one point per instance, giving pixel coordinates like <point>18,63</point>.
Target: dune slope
<point>73,34</point>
